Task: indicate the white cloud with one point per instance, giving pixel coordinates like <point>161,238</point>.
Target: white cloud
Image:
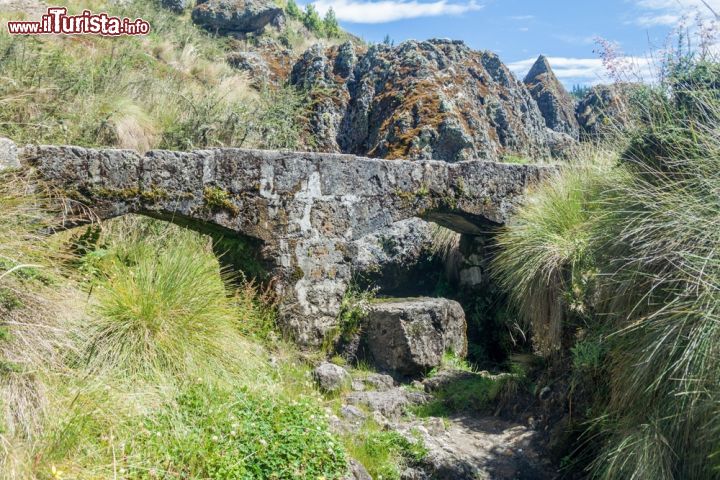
<point>657,20</point>
<point>521,17</point>
<point>364,11</point>
<point>587,70</point>
<point>670,12</point>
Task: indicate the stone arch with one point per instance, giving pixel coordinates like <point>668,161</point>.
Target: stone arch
<point>306,208</point>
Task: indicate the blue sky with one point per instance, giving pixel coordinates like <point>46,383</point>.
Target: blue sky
<point>520,30</point>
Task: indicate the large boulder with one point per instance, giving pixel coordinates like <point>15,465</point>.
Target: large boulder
<point>237,16</point>
<point>8,154</point>
<point>436,99</point>
<point>410,336</point>
<point>556,105</point>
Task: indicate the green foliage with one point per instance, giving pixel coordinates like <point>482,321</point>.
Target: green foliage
<point>633,260</point>
<point>217,198</point>
<point>171,89</point>
<point>353,310</point>
<point>330,24</point>
<point>293,10</point>
<point>164,311</point>
<point>213,433</point>
<point>587,355</point>
<point>545,256</point>
<point>468,393</point>
<point>383,453</point>
<point>311,19</point>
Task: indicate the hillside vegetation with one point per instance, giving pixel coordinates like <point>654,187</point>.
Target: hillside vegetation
<point>614,266</point>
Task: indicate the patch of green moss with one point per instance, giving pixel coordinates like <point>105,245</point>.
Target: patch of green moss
<point>218,199</point>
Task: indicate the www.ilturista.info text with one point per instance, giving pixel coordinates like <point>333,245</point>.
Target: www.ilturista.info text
<point>57,21</point>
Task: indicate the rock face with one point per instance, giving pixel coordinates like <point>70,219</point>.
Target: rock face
<point>8,154</point>
<point>434,99</point>
<point>237,16</point>
<point>556,105</point>
<point>331,377</point>
<point>410,336</point>
<point>303,210</point>
<point>604,109</point>
<point>176,6</point>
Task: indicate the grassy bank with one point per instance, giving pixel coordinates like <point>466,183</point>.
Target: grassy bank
<point>614,265</point>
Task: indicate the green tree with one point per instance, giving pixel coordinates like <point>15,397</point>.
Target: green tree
<point>330,24</point>
<point>312,20</point>
<point>293,10</point>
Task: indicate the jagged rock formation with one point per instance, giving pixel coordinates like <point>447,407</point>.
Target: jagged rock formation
<point>556,105</point>
<point>410,336</point>
<point>304,210</point>
<point>237,16</point>
<point>604,109</point>
<point>435,99</point>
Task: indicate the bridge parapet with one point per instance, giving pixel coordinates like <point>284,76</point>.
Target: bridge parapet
<point>305,208</point>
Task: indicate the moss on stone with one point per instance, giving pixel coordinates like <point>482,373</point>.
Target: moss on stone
<point>218,199</point>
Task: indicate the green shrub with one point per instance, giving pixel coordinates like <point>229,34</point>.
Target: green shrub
<point>383,453</point>
<point>214,433</point>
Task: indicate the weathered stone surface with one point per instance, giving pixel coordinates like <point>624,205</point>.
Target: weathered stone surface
<point>604,110</point>
<point>8,154</point>
<point>389,403</point>
<point>176,6</point>
<point>237,16</point>
<point>435,99</point>
<point>410,336</point>
<point>357,471</point>
<point>305,209</point>
<point>556,105</point>
<point>331,377</point>
<point>380,382</point>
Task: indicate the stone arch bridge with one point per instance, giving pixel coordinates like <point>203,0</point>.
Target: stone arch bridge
<point>304,210</point>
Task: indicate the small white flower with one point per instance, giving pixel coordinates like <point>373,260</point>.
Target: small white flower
<point>215,438</point>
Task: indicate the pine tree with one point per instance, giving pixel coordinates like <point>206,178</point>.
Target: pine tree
<point>292,9</point>
<point>312,20</point>
<point>330,24</point>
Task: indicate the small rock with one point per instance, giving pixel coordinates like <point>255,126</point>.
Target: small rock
<point>357,386</point>
<point>357,471</point>
<point>380,382</point>
<point>351,412</point>
<point>391,403</point>
<point>8,154</point>
<point>331,377</point>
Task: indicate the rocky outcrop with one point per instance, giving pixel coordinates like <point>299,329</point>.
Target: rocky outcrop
<point>8,154</point>
<point>410,336</point>
<point>604,110</point>
<point>237,16</point>
<point>435,99</point>
<point>555,103</point>
<point>304,211</point>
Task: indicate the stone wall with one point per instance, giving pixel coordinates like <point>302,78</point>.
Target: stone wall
<point>306,209</point>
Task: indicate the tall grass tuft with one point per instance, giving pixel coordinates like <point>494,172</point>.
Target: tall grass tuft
<point>164,311</point>
<point>648,238</point>
<point>545,256</point>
